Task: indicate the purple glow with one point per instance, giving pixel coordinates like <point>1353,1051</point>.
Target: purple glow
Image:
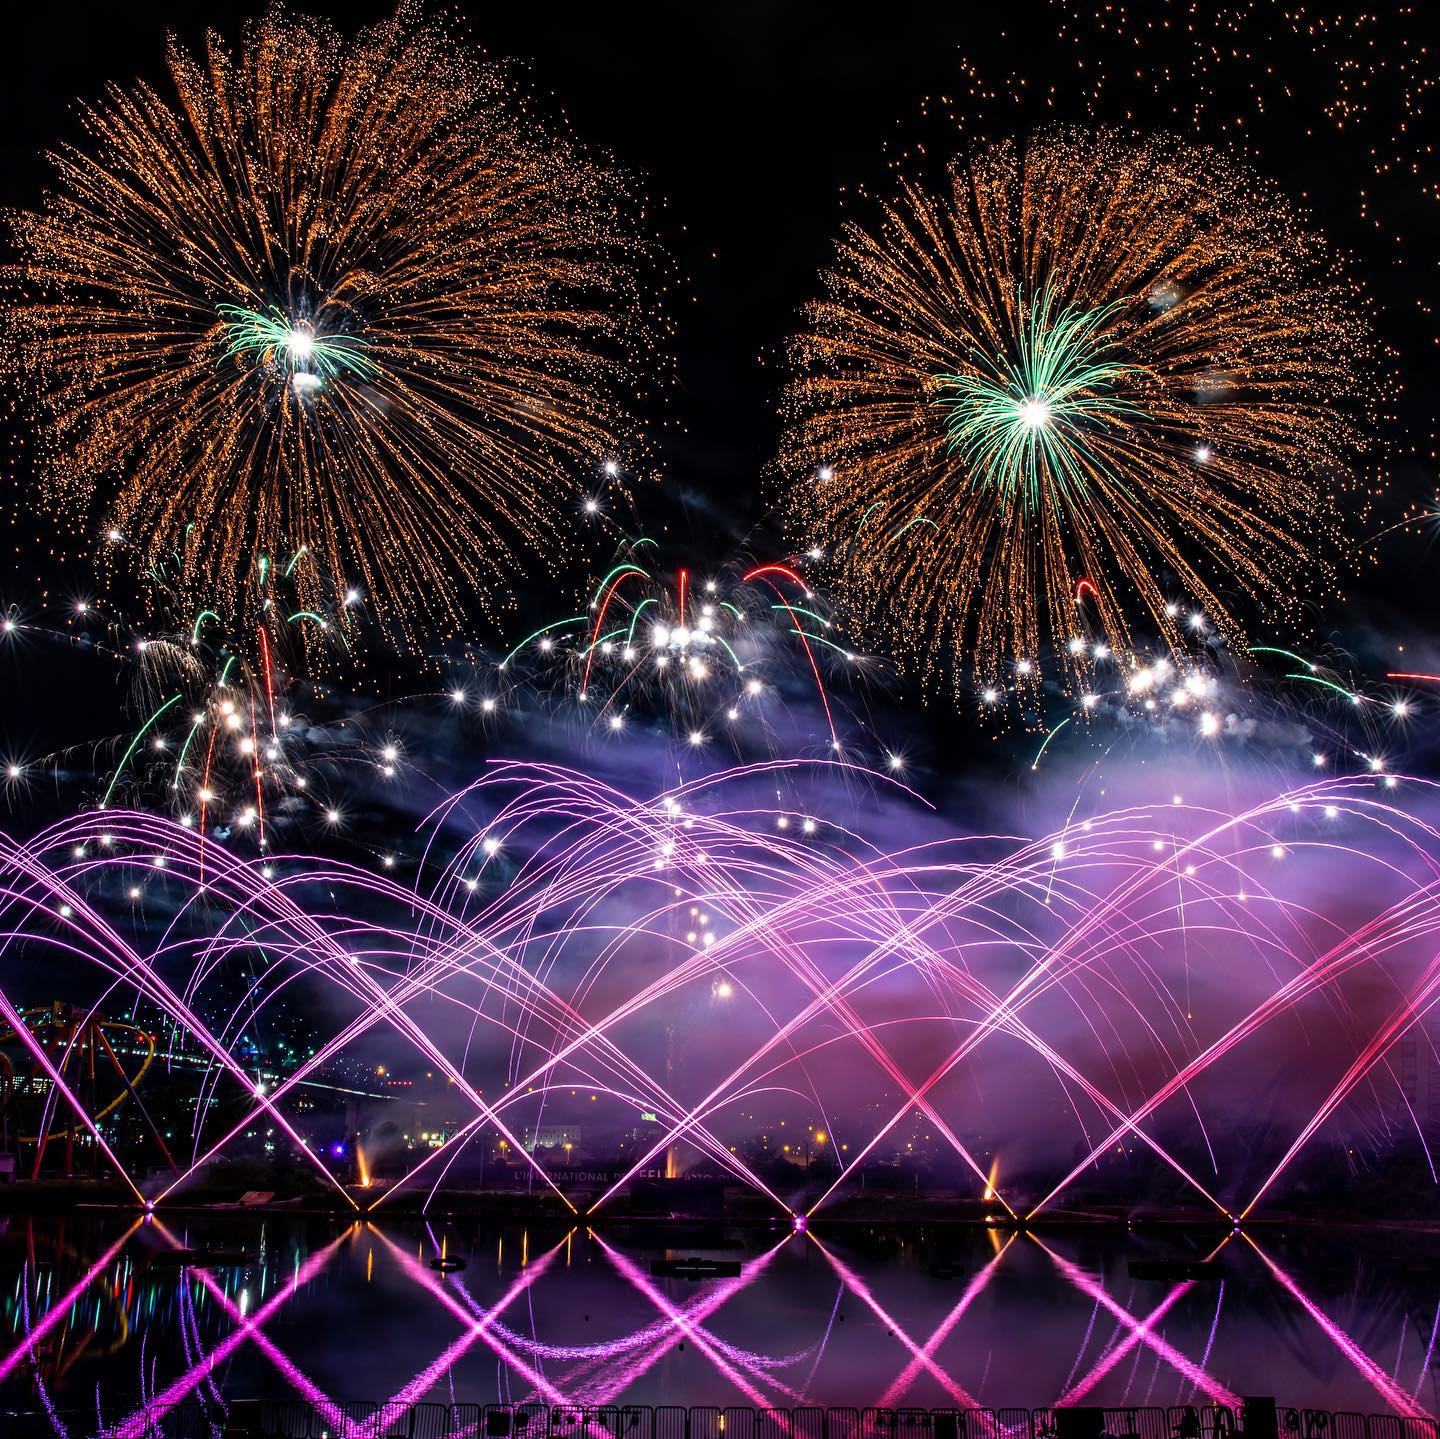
<point>1129,979</point>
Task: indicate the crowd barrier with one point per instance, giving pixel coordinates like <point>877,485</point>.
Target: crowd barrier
<point>299,1419</point>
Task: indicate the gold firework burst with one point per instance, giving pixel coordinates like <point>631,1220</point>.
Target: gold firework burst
<point>1091,371</point>
<point>345,298</point>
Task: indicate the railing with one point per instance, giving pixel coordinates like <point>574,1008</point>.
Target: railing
<point>299,1419</point>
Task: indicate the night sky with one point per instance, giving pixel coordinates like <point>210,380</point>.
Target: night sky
<point>751,126</point>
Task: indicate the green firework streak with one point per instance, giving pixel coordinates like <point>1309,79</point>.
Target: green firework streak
<point>263,335</point>
<point>1024,421</point>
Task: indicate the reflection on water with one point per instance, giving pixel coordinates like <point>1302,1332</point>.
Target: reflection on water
<point>301,1308</point>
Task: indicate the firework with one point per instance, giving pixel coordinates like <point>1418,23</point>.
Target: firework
<point>1088,374</point>
<point>339,296</point>
<point>707,651</point>
<point>1311,712</point>
<point>229,733</point>
<point>221,737</point>
<point>868,988</point>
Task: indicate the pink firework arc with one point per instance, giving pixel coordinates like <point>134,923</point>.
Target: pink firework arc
<point>1040,1015</point>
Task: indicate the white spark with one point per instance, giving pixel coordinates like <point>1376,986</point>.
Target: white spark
<point>1034,413</point>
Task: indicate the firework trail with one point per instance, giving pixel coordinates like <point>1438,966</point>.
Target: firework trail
<point>703,649</point>
<point>224,727</point>
<point>1088,374</point>
<point>1119,984</point>
<point>339,296</point>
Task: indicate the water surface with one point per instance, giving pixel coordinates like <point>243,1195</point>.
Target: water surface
<point>93,1309</point>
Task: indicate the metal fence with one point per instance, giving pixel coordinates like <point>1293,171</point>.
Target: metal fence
<point>299,1419</point>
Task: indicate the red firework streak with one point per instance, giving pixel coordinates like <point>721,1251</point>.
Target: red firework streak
<point>600,619</point>
<point>763,572</point>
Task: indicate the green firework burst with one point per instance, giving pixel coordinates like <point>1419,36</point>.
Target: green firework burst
<point>310,356</point>
<point>1021,422</point>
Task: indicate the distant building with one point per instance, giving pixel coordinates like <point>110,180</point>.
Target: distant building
<point>553,1136</point>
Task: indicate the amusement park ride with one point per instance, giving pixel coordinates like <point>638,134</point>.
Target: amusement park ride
<point>101,1061</point>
